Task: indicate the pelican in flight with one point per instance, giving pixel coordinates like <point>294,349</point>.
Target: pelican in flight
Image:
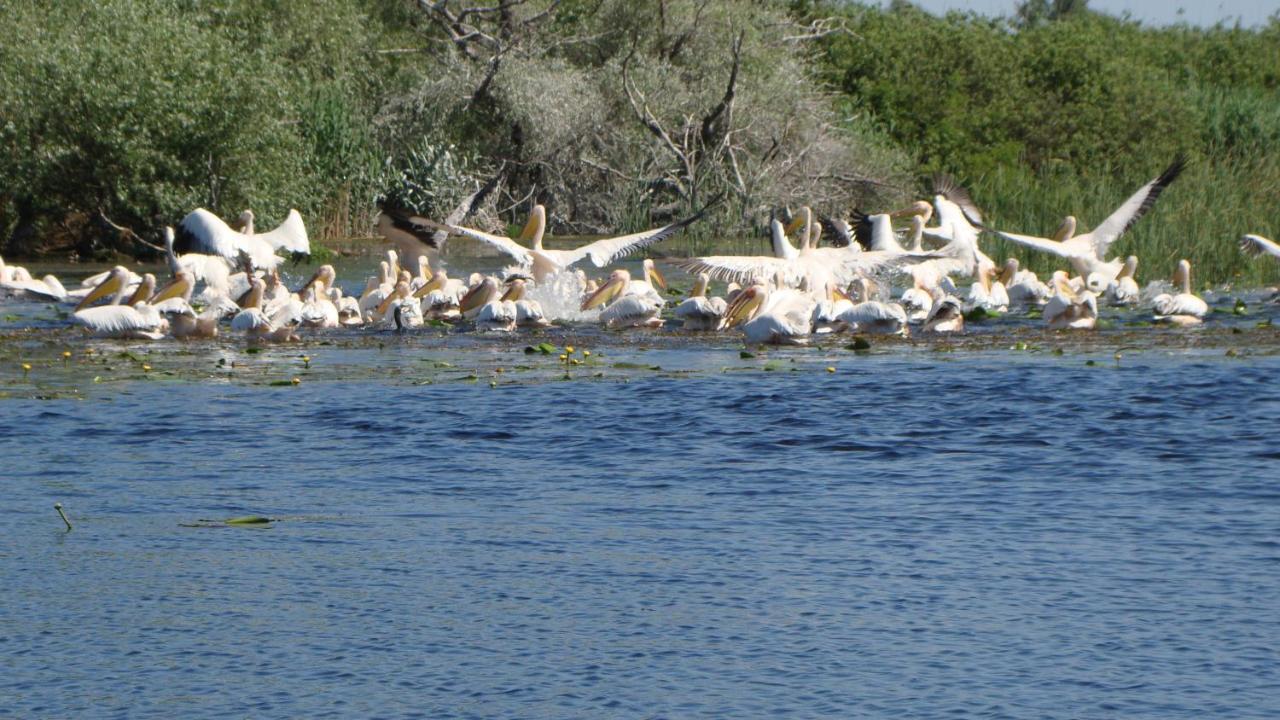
<point>1087,253</point>
<point>204,232</point>
<point>546,262</point>
<point>779,316</point>
<point>1257,246</point>
<point>1069,308</point>
<point>1184,308</point>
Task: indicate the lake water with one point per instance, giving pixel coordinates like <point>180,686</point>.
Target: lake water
<point>676,531</point>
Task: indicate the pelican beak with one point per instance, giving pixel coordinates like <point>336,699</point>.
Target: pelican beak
<point>742,307</point>
<point>436,282</point>
<point>511,294</point>
<point>656,277</point>
<point>605,293</point>
<point>837,295</point>
<point>107,287</point>
<point>918,208</point>
<point>475,297</point>
<point>176,287</point>
<point>386,303</point>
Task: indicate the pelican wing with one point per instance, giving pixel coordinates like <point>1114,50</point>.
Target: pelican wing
<point>739,268</point>
<point>947,187</point>
<point>116,319</point>
<point>35,288</point>
<point>1068,249</point>
<point>1257,246</point>
<point>1133,209</point>
<point>290,236</point>
<point>204,232</point>
<point>603,252</point>
<point>505,245</point>
<point>873,312</point>
<point>838,229</point>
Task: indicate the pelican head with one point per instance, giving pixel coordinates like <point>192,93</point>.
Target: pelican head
<point>652,275</point>
<point>112,284</point>
<point>515,290</point>
<point>1009,272</point>
<point>400,292</point>
<point>324,277</point>
<point>437,282</point>
<point>179,287</point>
<point>919,208</point>
<point>746,305</point>
<point>700,285</point>
<point>479,295</point>
<point>1062,284</point>
<point>1182,276</point>
<point>535,227</point>
<point>1066,230</point>
<point>614,286</point>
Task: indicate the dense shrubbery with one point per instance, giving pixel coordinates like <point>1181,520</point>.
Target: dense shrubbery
<point>616,114</point>
<point>1044,119</point>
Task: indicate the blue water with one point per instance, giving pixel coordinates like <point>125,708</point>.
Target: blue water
<point>978,536</point>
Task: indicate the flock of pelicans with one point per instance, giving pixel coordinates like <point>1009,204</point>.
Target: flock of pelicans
<point>802,289</point>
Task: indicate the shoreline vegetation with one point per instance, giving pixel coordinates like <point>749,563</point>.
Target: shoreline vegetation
<point>117,118</point>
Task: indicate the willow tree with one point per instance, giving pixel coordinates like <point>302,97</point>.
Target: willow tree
<point>617,114</point>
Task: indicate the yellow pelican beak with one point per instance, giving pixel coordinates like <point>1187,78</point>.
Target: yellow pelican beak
<point>742,308</point>
<point>107,287</point>
<point>917,208</point>
<point>475,297</point>
<point>611,289</point>
<point>654,276</point>
<point>179,286</point>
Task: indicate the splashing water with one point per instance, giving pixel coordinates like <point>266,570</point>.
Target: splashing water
<point>561,298</point>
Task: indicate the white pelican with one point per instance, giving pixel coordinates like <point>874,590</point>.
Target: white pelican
<point>875,318</point>
<point>1088,253</point>
<point>483,303</point>
<point>916,301</point>
<point>256,323</point>
<point>699,312</point>
<point>1184,308</point>
<point>546,262</point>
<point>318,311</point>
<point>528,312</point>
<point>1022,286</point>
<point>987,292</point>
<point>1069,308</point>
<point>206,233</point>
<point>133,322</point>
<point>780,316</point>
<point>946,315</point>
<point>22,285</point>
<point>634,302</point>
<point>1257,246</point>
<point>1125,291</point>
